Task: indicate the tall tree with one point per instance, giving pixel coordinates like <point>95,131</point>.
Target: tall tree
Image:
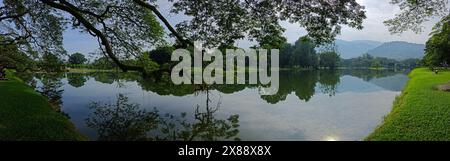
<point>124,27</point>
<point>285,55</point>
<point>329,59</point>
<point>304,53</point>
<point>103,63</point>
<point>161,55</point>
<point>51,63</point>
<point>77,58</point>
<point>301,54</point>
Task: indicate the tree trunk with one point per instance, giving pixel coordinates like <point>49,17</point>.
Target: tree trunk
<point>2,72</point>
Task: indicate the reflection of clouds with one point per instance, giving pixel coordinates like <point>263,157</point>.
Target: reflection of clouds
<point>296,120</point>
<point>346,120</point>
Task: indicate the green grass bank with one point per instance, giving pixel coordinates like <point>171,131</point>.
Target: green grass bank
<point>26,115</point>
<point>421,112</point>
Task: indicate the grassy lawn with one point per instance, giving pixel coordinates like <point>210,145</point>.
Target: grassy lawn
<point>421,112</point>
<point>26,115</point>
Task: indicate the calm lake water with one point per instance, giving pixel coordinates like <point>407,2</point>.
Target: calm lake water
<point>310,105</point>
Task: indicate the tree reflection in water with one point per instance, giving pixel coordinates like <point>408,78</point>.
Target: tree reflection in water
<point>76,80</point>
<point>301,83</point>
<point>52,89</point>
<point>127,121</point>
<point>121,121</point>
<point>329,81</point>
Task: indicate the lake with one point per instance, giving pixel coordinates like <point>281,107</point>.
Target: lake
<point>310,105</point>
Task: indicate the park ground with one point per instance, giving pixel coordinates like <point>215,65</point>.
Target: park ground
<point>27,115</point>
<point>421,112</point>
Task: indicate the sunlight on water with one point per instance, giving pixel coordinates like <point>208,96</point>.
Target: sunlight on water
<point>331,138</point>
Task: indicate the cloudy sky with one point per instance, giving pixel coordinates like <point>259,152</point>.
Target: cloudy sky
<point>374,29</point>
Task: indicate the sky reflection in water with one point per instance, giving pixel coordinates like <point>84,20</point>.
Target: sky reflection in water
<point>310,105</point>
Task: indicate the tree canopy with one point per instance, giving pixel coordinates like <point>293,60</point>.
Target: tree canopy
<point>77,58</point>
<point>414,13</point>
<point>51,63</point>
<point>438,46</point>
<point>11,57</point>
<point>369,61</point>
<point>103,63</point>
<point>124,27</point>
<point>301,54</point>
<point>329,59</point>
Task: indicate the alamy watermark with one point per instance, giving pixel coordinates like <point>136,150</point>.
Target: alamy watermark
<point>237,61</point>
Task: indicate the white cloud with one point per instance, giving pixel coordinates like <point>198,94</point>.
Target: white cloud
<point>374,29</point>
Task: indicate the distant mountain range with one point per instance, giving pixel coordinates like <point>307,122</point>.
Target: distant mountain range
<point>353,49</point>
<point>398,50</point>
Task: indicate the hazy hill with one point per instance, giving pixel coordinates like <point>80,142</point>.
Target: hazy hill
<point>353,49</point>
<point>398,50</point>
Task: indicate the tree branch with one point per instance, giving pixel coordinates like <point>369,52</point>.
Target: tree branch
<point>12,16</point>
<point>164,20</point>
<point>16,40</point>
<point>104,41</point>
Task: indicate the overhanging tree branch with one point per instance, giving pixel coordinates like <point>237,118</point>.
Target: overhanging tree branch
<point>12,16</point>
<point>104,41</point>
<point>164,20</point>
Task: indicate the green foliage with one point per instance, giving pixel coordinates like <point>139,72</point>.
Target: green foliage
<point>301,83</point>
<point>11,57</point>
<point>76,79</point>
<point>414,13</point>
<point>51,63</point>
<point>147,63</point>
<point>223,22</point>
<point>103,63</point>
<point>376,64</point>
<point>33,24</point>
<point>329,59</point>
<point>77,58</point>
<point>438,46</point>
<point>368,61</point>
<point>123,120</point>
<point>421,112</point>
<point>161,55</point>
<point>125,28</point>
<point>302,54</point>
<point>329,81</point>
<point>275,40</point>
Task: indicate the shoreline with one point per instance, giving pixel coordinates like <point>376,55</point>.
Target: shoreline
<point>27,115</point>
<point>420,112</point>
